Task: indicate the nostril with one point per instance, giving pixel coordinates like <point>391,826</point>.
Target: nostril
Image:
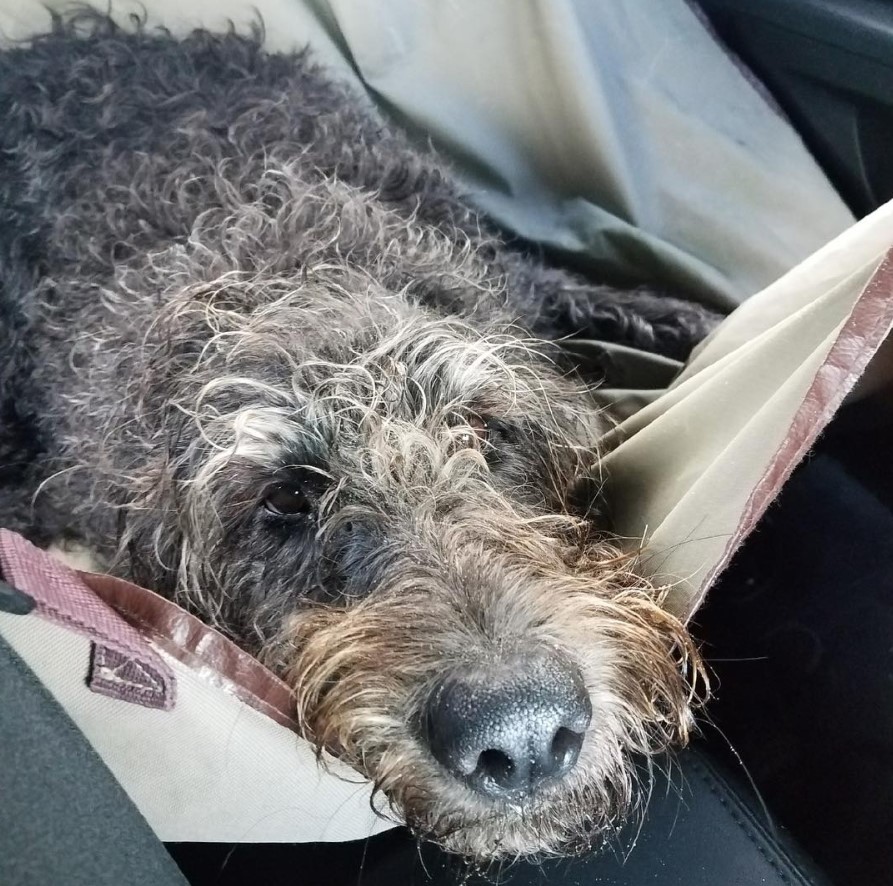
<point>565,750</point>
<point>495,766</point>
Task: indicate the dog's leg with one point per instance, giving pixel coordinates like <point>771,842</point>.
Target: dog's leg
<point>554,303</point>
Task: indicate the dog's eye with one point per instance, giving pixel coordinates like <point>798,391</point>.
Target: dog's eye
<point>480,427</point>
<point>286,500</point>
<point>474,431</point>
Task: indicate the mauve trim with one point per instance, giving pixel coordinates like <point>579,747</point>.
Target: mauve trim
<point>198,646</point>
<point>858,340</point>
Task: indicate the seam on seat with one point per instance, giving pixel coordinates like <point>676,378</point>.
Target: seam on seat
<point>772,851</point>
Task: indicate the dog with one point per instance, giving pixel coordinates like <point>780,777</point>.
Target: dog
<point>258,354</point>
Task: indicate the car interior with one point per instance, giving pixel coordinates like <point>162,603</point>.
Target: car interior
<point>791,778</point>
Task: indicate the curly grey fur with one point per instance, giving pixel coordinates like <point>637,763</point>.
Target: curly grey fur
<point>221,272</point>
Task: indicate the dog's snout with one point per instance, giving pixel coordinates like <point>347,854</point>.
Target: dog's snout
<point>506,728</point>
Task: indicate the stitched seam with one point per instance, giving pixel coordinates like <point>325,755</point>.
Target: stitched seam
<point>750,829</point>
<point>259,704</point>
<point>148,628</point>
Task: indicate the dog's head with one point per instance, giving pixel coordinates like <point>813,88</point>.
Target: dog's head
<point>396,511</point>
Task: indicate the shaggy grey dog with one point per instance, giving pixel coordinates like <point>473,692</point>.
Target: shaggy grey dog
<point>258,355</point>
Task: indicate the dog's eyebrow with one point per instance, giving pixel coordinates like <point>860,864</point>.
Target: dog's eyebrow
<point>313,470</point>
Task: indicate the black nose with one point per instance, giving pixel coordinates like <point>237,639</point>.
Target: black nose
<point>507,727</point>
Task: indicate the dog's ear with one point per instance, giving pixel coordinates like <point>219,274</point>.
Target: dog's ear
<point>149,536</point>
<point>179,435</point>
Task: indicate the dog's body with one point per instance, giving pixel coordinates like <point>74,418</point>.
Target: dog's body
<point>256,354</point>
